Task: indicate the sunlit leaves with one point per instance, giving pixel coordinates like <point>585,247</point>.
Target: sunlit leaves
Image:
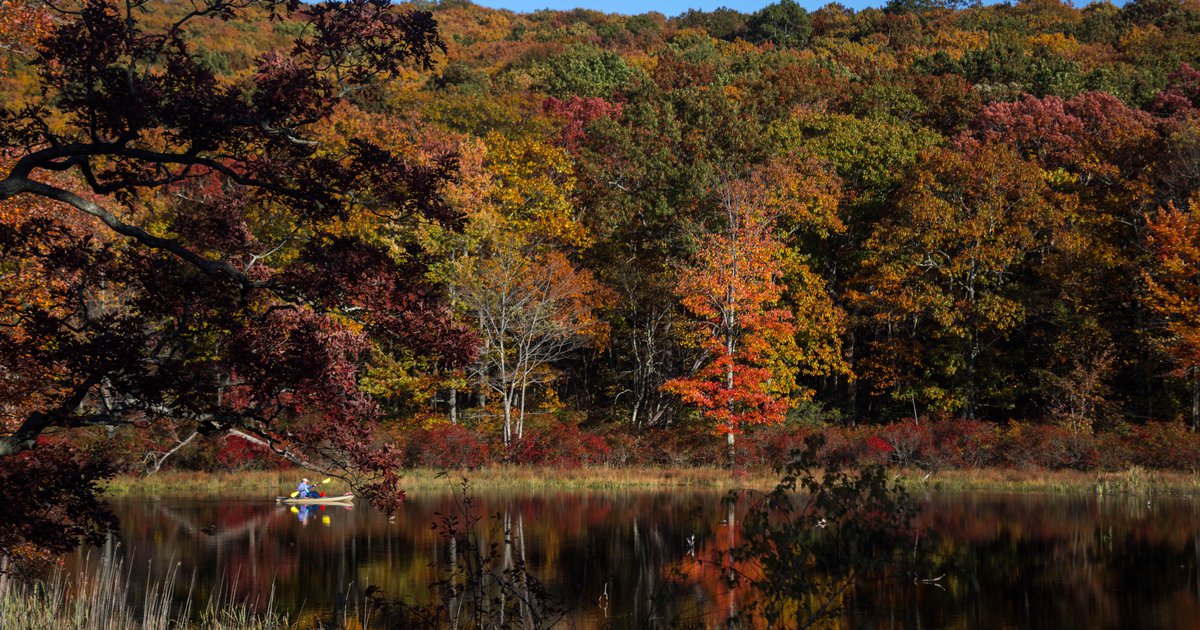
<point>944,270</point>
<point>1173,282</point>
<point>735,291</point>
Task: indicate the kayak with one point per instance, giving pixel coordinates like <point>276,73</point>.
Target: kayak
<point>341,499</point>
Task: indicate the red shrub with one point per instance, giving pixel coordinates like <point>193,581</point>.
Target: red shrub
<point>447,446</point>
<point>561,446</point>
<point>1116,450</point>
<point>674,448</point>
<point>628,449</point>
<point>751,451</point>
<point>778,445</point>
<point>1165,445</point>
<point>907,443</point>
<point>1051,447</point>
<point>961,443</point>
<point>843,447</point>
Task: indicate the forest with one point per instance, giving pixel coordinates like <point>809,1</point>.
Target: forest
<point>361,237</point>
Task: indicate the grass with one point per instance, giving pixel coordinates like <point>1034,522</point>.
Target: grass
<point>281,482</point>
<point>98,598</point>
<point>186,483</point>
<point>1135,480</point>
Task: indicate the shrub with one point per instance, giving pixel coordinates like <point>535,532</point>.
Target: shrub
<point>902,443</point>
<point>561,445</point>
<point>777,444</point>
<point>1165,445</point>
<point>961,443</point>
<point>447,446</point>
<point>841,448</point>
<point>879,451</point>
<point>1049,446</point>
<point>1116,450</point>
<point>237,453</point>
<point>673,448</point>
<point>627,449</point>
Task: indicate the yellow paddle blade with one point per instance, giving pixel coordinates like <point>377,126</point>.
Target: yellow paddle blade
<point>327,480</point>
<point>295,510</point>
<point>293,495</point>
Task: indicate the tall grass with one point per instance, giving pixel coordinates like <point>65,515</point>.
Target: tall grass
<point>242,483</point>
<point>263,484</point>
<point>281,482</point>
<point>1135,480</point>
<point>99,598</point>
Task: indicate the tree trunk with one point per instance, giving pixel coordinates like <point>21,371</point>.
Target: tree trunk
<point>521,414</point>
<point>972,352</point>
<point>453,403</point>
<point>1195,396</point>
<point>851,384</point>
<point>506,400</point>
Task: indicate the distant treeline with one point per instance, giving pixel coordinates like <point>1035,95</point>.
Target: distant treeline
<point>719,220</point>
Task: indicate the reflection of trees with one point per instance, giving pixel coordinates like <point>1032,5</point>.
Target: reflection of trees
<point>228,532</point>
<point>1037,561</point>
<point>1077,562</point>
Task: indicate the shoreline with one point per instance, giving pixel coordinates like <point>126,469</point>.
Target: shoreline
<point>602,478</point>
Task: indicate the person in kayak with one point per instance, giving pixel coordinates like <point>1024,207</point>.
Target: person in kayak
<point>306,490</point>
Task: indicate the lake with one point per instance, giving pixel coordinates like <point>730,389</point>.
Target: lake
<point>623,559</point>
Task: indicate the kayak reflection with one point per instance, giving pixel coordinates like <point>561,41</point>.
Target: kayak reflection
<point>305,512</point>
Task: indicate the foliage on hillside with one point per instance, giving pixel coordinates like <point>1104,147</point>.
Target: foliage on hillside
<point>696,223</point>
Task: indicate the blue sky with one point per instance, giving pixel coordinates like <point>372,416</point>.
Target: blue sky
<point>668,8</point>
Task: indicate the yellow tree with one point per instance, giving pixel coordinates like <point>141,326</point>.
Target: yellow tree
<point>746,320</point>
<point>510,272</point>
<point>939,277</point>
<point>1173,287</point>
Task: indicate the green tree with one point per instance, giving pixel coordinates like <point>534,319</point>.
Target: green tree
<point>785,24</point>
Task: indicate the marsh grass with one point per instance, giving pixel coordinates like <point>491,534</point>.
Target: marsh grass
<point>99,597</point>
<point>1135,480</point>
<point>281,482</point>
<point>266,484</point>
<point>243,483</point>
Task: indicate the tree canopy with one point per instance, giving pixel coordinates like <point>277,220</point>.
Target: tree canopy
<point>320,229</point>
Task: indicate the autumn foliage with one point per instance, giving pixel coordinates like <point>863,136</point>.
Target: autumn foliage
<point>942,235</point>
<point>735,291</point>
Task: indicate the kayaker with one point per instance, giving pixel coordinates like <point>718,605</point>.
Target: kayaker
<point>306,490</point>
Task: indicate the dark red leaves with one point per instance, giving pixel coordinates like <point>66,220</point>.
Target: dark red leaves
<point>52,499</point>
<point>577,112</point>
<point>1182,96</point>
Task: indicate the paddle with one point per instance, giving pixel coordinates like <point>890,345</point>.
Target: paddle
<point>325,480</point>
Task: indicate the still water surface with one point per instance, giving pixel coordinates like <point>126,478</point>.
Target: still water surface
<point>1015,561</point>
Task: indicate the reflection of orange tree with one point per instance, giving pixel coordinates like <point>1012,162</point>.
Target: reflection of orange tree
<point>715,572</point>
<point>806,546</point>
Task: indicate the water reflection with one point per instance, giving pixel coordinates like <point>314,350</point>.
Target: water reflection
<point>635,560</point>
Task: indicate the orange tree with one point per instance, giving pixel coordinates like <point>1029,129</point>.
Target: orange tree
<point>1173,287</point>
<point>22,25</point>
<point>736,292</point>
<point>191,249</point>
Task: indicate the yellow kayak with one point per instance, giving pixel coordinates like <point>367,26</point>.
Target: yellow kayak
<point>341,499</point>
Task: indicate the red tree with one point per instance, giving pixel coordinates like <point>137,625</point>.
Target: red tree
<point>212,280</point>
<point>735,290</point>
